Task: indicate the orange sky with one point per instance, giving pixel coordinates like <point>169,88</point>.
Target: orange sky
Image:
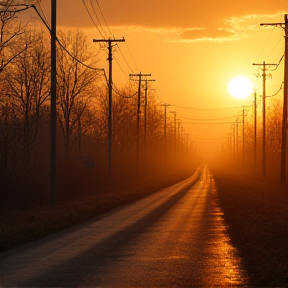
<point>191,48</point>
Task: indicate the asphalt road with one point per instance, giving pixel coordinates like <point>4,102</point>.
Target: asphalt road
<point>174,238</point>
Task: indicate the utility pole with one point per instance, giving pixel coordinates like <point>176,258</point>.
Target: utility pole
<point>255,131</point>
<point>175,133</point>
<point>140,75</point>
<point>237,145</point>
<point>165,140</point>
<point>284,115</point>
<point>264,115</point>
<point>53,107</point>
<point>233,141</point>
<point>178,137</point>
<point>243,135</point>
<point>145,117</point>
<point>110,83</point>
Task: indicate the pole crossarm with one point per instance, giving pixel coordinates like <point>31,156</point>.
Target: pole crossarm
<point>140,75</point>
<point>273,24</point>
<point>265,64</point>
<point>109,40</point>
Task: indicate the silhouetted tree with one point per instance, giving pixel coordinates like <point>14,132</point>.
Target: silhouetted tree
<point>26,82</point>
<point>74,85</point>
<point>9,32</point>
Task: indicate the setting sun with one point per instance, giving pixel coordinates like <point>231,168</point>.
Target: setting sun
<point>240,87</point>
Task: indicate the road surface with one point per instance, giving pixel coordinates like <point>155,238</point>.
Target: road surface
<point>174,238</point>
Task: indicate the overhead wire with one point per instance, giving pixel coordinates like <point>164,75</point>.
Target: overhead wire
<point>131,56</point>
<point>215,119</point>
<point>103,17</point>
<point>41,10</point>
<point>86,7</point>
<point>66,50</point>
<point>206,109</point>
<point>124,59</point>
<point>206,123</point>
<point>93,5</point>
<point>278,63</point>
<point>96,15</point>
<point>119,66</point>
<point>267,40</point>
<point>276,44</point>
<point>121,95</point>
<point>281,88</point>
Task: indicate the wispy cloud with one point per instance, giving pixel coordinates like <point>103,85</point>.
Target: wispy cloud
<point>230,29</point>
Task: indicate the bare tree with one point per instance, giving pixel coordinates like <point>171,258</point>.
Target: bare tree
<point>74,85</point>
<point>26,86</point>
<point>9,29</point>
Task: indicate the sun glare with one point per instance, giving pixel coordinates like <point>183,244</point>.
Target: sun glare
<point>240,87</point>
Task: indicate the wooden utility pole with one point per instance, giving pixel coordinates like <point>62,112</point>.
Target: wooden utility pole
<point>237,142</point>
<point>165,132</point>
<point>110,83</point>
<point>175,133</point>
<point>145,117</point>
<point>264,115</point>
<point>140,75</point>
<point>243,135</point>
<point>283,164</point>
<point>255,131</point>
<point>233,133</point>
<point>52,177</point>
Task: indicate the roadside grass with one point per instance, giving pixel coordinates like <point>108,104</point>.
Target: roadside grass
<point>256,213</point>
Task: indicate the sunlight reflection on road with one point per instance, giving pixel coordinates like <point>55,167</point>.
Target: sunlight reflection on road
<point>228,266</point>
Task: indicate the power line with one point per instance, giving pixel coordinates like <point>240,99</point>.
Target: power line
<point>215,119</point>
<point>121,95</point>
<point>281,88</point>
<point>206,123</point>
<point>275,45</point>
<point>103,17</point>
<point>44,16</point>
<point>95,13</point>
<point>67,51</point>
<point>206,109</point>
<point>265,43</point>
<point>102,14</point>
<point>83,1</point>
<point>277,65</point>
<point>131,56</point>
<point>124,59</point>
<point>119,66</point>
